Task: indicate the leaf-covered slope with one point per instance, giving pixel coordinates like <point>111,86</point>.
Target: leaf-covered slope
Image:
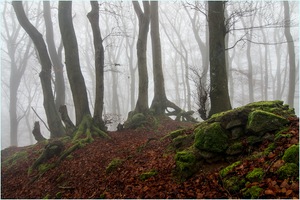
<point>143,163</point>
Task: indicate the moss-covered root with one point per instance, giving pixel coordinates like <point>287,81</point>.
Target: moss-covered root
<point>88,128</point>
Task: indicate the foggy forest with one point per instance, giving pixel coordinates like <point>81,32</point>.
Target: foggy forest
<point>257,59</point>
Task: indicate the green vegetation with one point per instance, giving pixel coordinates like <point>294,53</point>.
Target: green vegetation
<point>114,164</point>
<point>234,184</point>
<point>291,155</point>
<point>12,160</point>
<point>185,163</point>
<point>45,167</point>
<point>255,175</point>
<point>211,138</point>
<point>288,170</point>
<point>235,148</point>
<point>147,175</point>
<point>229,168</point>
<point>252,192</point>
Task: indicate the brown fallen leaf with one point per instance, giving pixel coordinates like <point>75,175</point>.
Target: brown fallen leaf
<point>269,192</point>
<point>289,192</point>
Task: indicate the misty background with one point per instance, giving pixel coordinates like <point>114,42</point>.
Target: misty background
<point>257,55</point>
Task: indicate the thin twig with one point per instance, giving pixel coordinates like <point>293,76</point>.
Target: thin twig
<point>40,118</point>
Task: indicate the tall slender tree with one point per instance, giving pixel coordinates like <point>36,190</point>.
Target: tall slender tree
<point>53,118</point>
<point>219,95</point>
<point>291,53</point>
<point>74,73</point>
<point>93,17</point>
<point>142,105</point>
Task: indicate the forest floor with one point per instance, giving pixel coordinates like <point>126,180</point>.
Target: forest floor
<point>83,174</point>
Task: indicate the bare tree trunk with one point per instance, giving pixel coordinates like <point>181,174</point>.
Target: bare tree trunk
<point>160,99</point>
<point>291,52</point>
<point>219,96</point>
<point>142,105</point>
<point>54,122</point>
<point>93,17</point>
<point>75,76</point>
<point>56,60</point>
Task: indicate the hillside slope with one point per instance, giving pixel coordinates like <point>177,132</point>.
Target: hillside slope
<point>139,164</point>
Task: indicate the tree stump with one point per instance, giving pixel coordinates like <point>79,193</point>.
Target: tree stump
<point>37,132</point>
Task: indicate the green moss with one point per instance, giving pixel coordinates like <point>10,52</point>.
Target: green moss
<point>260,122</point>
<point>175,134</point>
<point>282,133</point>
<point>235,148</point>
<point>147,175</point>
<point>288,170</point>
<point>291,155</point>
<point>252,192</point>
<point>234,184</point>
<point>211,138</point>
<point>58,195</point>
<point>45,167</point>
<point>269,149</point>
<point>114,164</point>
<point>185,163</point>
<point>256,175</point>
<point>253,139</point>
<point>229,168</point>
<point>13,159</point>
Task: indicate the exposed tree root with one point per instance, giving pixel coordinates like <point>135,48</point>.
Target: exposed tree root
<point>180,114</point>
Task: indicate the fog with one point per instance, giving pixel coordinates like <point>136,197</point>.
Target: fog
<point>261,26</point>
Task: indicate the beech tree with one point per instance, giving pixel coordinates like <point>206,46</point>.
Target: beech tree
<point>142,105</point>
<point>54,122</point>
<point>93,17</point>
<point>219,96</point>
<point>291,53</point>
<point>75,76</point>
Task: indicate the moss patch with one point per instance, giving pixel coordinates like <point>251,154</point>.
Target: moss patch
<point>12,160</point>
<point>147,175</point>
<point>229,168</point>
<point>185,164</point>
<point>256,175</point>
<point>260,122</point>
<point>291,155</point>
<point>114,164</point>
<point>288,170</point>
<point>234,184</point>
<point>211,138</point>
<point>252,192</point>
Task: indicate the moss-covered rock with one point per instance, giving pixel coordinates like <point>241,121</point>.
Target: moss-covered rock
<point>182,141</point>
<point>185,164</point>
<point>211,138</point>
<point>235,148</point>
<point>255,175</point>
<point>260,122</point>
<point>291,155</point>
<point>252,192</point>
<point>288,170</point>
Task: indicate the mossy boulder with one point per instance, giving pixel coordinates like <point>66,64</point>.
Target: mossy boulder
<point>291,155</point>
<point>260,122</point>
<point>288,170</point>
<point>185,164</point>
<point>211,138</point>
<point>255,175</point>
<point>135,120</point>
<point>235,148</point>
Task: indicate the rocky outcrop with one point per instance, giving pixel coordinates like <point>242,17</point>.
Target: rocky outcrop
<point>228,134</point>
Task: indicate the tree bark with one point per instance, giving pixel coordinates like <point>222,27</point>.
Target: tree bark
<point>54,122</point>
<point>93,17</point>
<point>291,52</point>
<point>142,105</point>
<point>75,76</point>
<point>218,76</point>
<point>56,60</point>
<point>160,99</point>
